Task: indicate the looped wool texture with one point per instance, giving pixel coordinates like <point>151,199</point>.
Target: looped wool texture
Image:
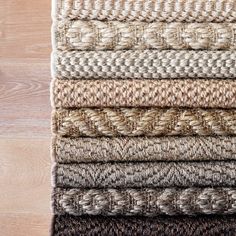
<point>211,93</point>
<point>146,202</point>
<point>115,35</point>
<point>90,150</point>
<point>148,122</point>
<point>142,226</point>
<point>148,10</point>
<point>145,174</point>
<point>144,64</point>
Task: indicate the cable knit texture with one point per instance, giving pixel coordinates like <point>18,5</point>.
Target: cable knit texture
<point>145,174</point>
<point>149,122</point>
<point>146,202</point>
<point>144,64</point>
<point>78,150</point>
<point>142,93</point>
<point>142,226</point>
<point>116,35</point>
<point>148,10</point>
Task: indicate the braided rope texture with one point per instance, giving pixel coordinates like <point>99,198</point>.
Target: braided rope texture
<point>148,10</point>
<point>146,202</point>
<point>145,174</point>
<point>116,35</point>
<point>142,226</point>
<point>90,150</point>
<point>148,122</point>
<point>144,64</point>
<point>143,93</point>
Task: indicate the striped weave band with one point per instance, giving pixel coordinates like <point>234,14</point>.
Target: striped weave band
<point>79,150</point>
<point>148,122</point>
<point>145,174</point>
<point>148,10</point>
<point>143,93</point>
<point>144,64</point>
<point>147,202</point>
<point>115,35</point>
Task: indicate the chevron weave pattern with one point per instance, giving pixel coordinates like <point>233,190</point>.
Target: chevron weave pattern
<point>148,10</point>
<point>116,35</point>
<point>143,93</point>
<point>140,226</point>
<point>145,174</point>
<point>148,202</point>
<point>149,122</point>
<point>149,64</point>
<point>79,150</point>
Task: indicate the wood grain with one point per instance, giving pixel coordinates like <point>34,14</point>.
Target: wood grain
<point>25,48</point>
<point>25,68</point>
<point>23,225</point>
<point>25,184</point>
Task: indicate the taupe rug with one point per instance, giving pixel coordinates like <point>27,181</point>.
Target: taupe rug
<point>122,149</point>
<point>145,174</point>
<point>146,202</point>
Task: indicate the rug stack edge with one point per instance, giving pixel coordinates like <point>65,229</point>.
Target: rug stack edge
<point>144,117</point>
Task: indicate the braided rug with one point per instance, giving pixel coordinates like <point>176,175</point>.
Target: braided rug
<point>142,226</point>
<point>145,174</point>
<point>122,149</point>
<point>144,64</point>
<point>116,35</point>
<point>148,122</point>
<point>147,202</point>
<point>147,10</point>
<point>142,93</point>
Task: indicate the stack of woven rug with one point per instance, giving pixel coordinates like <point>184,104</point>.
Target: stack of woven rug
<point>144,119</point>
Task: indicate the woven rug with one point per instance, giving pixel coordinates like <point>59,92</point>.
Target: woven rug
<point>148,10</point>
<point>146,121</point>
<point>144,117</point>
<point>116,35</point>
<point>145,174</point>
<point>144,64</point>
<point>123,149</point>
<point>146,202</point>
<point>142,93</point>
<point>140,226</point>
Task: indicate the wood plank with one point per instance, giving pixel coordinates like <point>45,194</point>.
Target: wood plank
<point>25,176</point>
<point>24,224</point>
<point>25,48</point>
<point>25,29</point>
<point>24,95</point>
<point>25,68</point>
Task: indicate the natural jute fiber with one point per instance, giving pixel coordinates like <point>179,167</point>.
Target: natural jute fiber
<point>145,174</point>
<point>148,122</point>
<point>142,93</point>
<point>116,35</point>
<point>143,226</point>
<point>79,150</point>
<point>144,64</point>
<point>146,202</point>
<point>148,10</point>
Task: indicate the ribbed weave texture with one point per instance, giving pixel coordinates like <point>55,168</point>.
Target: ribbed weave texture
<point>78,150</point>
<point>146,174</point>
<point>142,93</point>
<point>142,226</point>
<point>146,202</point>
<point>148,10</point>
<point>144,64</point>
<point>115,35</point>
<point>149,122</point>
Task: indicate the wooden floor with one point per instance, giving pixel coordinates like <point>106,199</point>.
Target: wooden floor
<point>25,117</point>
